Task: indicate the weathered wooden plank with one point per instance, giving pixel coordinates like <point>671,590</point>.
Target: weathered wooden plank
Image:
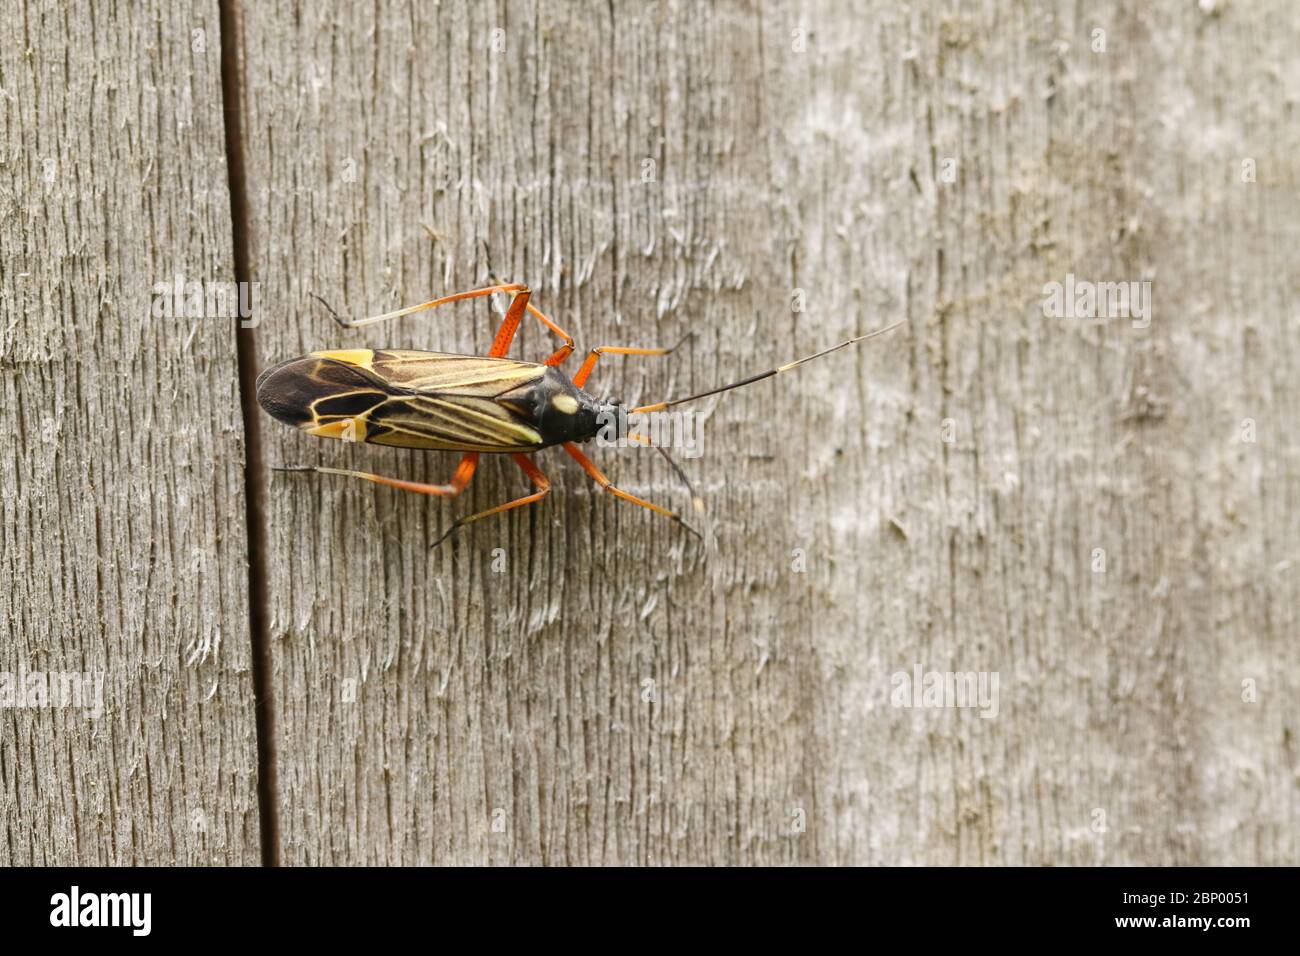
<point>600,690</point>
<point>122,518</point>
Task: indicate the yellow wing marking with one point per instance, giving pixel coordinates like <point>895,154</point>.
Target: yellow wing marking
<point>495,422</point>
<point>348,429</point>
<point>359,357</point>
<point>433,372</point>
<point>472,424</point>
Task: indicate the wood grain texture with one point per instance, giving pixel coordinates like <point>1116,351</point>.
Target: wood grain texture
<point>121,513</point>
<point>653,169</point>
<point>1103,514</point>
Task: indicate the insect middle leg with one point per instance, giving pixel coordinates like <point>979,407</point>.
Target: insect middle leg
<point>459,479</point>
<point>589,467</point>
<point>510,325</point>
<point>535,475</point>
<point>514,314</point>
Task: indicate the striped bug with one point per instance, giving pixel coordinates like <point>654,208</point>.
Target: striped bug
<point>471,404</point>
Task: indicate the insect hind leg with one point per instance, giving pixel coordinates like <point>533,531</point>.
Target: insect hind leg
<point>518,305</point>
<point>459,479</point>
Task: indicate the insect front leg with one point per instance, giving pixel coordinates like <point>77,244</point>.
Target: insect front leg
<point>605,483</point>
<point>594,356</point>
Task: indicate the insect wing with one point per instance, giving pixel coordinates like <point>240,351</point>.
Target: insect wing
<point>410,399</point>
<point>449,401</point>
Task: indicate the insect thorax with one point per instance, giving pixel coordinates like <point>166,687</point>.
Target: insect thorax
<point>558,409</point>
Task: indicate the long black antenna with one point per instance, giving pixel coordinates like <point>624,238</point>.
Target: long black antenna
<point>660,406</point>
<point>696,501</point>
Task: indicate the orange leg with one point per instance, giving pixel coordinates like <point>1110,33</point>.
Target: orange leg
<point>459,479</point>
<point>520,290</point>
<point>515,315</point>
<point>543,489</point>
<point>605,483</point>
<point>594,355</point>
<point>510,325</point>
<point>565,350</point>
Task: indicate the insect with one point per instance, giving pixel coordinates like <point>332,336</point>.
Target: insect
<point>471,404</point>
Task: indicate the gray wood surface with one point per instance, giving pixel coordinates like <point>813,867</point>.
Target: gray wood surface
<point>121,468</point>
<point>1101,512</point>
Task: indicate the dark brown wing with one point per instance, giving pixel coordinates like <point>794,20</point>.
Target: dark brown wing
<point>409,399</point>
